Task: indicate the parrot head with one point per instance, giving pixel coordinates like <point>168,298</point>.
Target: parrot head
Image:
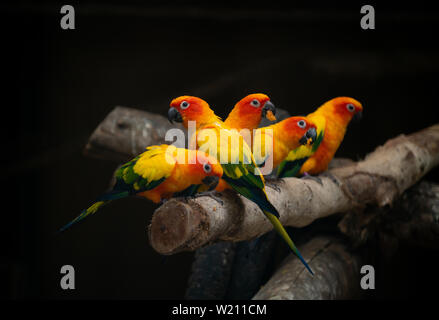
<point>347,108</point>
<point>257,104</point>
<point>299,130</point>
<point>208,170</point>
<point>189,108</point>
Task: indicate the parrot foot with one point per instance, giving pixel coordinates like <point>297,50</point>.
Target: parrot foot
<point>271,177</point>
<point>332,177</point>
<point>306,175</point>
<point>273,186</point>
<point>213,194</point>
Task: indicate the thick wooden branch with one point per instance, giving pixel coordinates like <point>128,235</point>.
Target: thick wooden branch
<point>211,272</point>
<point>379,179</point>
<point>336,274</point>
<point>413,218</point>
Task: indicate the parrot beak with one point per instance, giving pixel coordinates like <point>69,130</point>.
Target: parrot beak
<point>310,134</point>
<point>358,116</point>
<point>269,110</point>
<point>174,115</point>
<point>211,182</point>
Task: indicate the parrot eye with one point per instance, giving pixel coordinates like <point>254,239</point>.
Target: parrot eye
<point>255,103</point>
<point>184,104</point>
<point>302,124</point>
<point>350,107</point>
<point>207,168</point>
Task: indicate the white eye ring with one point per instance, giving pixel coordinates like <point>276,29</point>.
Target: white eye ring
<point>207,168</point>
<point>302,124</point>
<point>350,107</point>
<point>184,105</point>
<point>255,103</point>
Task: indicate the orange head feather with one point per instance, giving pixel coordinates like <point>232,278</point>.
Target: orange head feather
<point>344,108</point>
<point>295,131</point>
<point>189,108</point>
<point>248,112</point>
<point>206,170</point>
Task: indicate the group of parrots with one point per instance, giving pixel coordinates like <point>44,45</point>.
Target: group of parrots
<point>301,146</point>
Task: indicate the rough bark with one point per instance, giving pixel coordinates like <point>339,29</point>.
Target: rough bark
<point>182,224</point>
<point>251,264</point>
<point>413,218</point>
<point>125,132</point>
<point>336,273</point>
<point>211,272</point>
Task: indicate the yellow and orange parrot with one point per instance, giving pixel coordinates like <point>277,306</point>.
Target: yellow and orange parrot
<point>282,136</point>
<point>331,120</point>
<point>248,112</point>
<point>240,170</point>
<point>160,173</point>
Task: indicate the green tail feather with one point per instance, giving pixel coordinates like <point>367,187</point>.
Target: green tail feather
<point>102,200</point>
<point>284,234</point>
<point>90,210</point>
<point>255,194</point>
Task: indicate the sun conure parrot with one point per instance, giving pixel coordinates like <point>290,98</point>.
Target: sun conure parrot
<point>331,120</point>
<point>282,134</point>
<point>248,112</point>
<point>160,173</point>
<point>240,170</point>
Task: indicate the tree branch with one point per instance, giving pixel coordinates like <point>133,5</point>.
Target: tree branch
<point>336,274</point>
<point>379,179</point>
<point>211,272</point>
<point>412,219</point>
<point>126,132</point>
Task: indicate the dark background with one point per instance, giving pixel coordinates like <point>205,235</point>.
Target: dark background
<point>59,84</point>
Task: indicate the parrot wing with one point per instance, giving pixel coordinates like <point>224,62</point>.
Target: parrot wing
<point>248,184</point>
<point>146,171</point>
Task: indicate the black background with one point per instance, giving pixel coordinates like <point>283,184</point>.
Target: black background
<point>59,84</point>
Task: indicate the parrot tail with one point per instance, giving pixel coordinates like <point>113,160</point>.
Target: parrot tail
<point>284,234</point>
<point>101,201</point>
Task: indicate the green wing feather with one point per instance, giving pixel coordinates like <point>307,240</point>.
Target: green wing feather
<point>318,141</point>
<point>291,166</point>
